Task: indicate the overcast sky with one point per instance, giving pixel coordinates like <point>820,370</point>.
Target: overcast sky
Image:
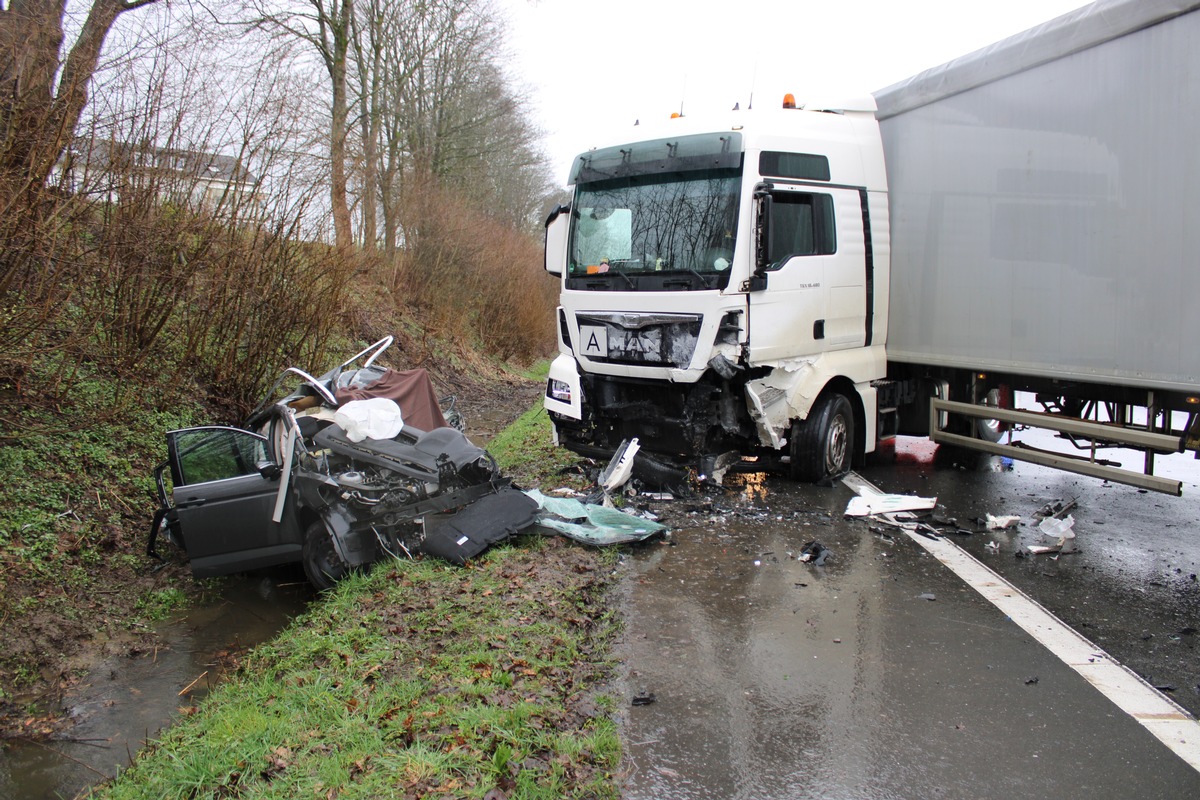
<point>595,67</point>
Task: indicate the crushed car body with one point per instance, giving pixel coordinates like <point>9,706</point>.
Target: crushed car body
<point>321,478</point>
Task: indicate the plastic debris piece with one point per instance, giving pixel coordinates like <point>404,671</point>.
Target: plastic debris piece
<point>927,596</point>
<point>815,553</point>
<point>1061,529</point>
<point>620,468</point>
<point>870,505</point>
<point>1056,508</point>
<point>1000,523</point>
<point>993,546</point>
<point>644,698</point>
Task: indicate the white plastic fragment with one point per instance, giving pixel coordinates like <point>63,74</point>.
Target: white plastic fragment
<point>619,470</point>
<point>869,505</point>
<point>1061,529</point>
<point>1000,523</point>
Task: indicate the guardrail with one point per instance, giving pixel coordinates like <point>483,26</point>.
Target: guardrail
<point>1142,439</point>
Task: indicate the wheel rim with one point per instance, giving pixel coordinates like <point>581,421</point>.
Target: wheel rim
<point>323,559</point>
<point>837,445</point>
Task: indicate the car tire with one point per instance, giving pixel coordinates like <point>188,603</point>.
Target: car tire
<point>322,564</point>
<point>822,446</point>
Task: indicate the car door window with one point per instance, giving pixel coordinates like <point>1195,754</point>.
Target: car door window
<point>206,455</point>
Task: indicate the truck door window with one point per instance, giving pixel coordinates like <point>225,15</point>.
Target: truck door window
<point>802,224</point>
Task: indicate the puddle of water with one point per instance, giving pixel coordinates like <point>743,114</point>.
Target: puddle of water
<point>126,701</point>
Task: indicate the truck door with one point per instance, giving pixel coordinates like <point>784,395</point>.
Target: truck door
<point>814,299</point>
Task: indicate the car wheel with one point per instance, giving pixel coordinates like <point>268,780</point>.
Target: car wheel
<point>322,564</point>
<point>822,446</point>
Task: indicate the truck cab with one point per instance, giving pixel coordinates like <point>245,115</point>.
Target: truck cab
<point>724,291</point>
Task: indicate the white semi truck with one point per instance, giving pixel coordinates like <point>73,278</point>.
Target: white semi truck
<point>790,286</point>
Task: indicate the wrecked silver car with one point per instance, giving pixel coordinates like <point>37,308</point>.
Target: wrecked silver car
<point>353,466</point>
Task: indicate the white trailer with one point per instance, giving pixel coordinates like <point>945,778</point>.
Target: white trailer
<point>763,287</point>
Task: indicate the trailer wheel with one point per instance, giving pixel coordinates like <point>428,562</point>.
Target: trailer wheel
<point>822,446</point>
<point>991,430</point>
<point>322,564</point>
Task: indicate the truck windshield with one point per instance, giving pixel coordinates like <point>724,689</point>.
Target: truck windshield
<point>657,232</point>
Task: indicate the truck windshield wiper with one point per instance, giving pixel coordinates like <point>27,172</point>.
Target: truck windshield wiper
<point>700,277</point>
<point>628,279</point>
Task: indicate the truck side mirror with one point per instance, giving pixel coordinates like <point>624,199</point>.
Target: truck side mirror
<point>558,226</point>
<point>762,238</point>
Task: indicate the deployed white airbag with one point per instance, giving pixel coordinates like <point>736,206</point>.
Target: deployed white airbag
<point>376,418</point>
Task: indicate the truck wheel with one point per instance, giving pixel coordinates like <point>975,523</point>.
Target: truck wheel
<point>822,446</point>
<point>322,564</point>
<point>991,430</point>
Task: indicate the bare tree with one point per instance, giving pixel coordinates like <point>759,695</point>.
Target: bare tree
<point>44,93</point>
<point>325,25</point>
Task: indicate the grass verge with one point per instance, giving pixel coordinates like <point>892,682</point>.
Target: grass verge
<point>526,452</point>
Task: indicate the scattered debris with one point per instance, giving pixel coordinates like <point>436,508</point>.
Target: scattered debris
<point>873,504</point>
<point>993,546</point>
<point>620,468</point>
<point>644,698</point>
<point>1060,529</point>
<point>1031,681</point>
<point>930,596</point>
<point>1001,523</point>
<point>590,523</point>
<point>1056,509</point>
<point>815,553</point>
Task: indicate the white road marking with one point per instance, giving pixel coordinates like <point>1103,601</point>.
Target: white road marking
<point>1161,716</point>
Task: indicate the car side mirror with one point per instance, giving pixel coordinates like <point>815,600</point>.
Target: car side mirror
<point>269,470</point>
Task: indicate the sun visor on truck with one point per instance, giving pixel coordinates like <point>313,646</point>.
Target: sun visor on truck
<point>675,154</point>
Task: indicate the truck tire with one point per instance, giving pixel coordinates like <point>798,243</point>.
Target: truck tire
<point>991,430</point>
<point>322,564</point>
<point>822,446</point>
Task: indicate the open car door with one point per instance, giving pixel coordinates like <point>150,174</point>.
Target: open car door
<point>224,501</point>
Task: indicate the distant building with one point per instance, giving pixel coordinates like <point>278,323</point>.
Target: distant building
<point>110,171</point>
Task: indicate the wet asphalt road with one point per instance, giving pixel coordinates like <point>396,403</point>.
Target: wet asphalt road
<point>774,678</point>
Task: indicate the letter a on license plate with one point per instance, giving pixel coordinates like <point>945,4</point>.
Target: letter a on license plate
<point>593,341</point>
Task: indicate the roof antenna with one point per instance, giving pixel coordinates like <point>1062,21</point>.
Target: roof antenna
<point>683,94</point>
<point>753,80</point>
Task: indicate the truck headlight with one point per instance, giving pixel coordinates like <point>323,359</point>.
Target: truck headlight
<point>559,390</point>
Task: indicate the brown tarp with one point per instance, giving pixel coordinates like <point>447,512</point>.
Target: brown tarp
<point>413,392</point>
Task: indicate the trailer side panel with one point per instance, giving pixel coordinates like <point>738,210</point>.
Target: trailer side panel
<point>1042,220</point>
